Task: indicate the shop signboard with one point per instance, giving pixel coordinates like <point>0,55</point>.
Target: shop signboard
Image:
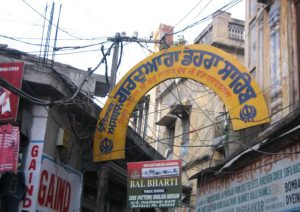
<point>270,183</point>
<point>32,172</point>
<point>154,184</point>
<point>59,187</point>
<point>9,102</point>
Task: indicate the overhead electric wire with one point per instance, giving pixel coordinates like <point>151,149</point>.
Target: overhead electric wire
<point>62,48</point>
<point>84,51</point>
<point>222,121</point>
<point>254,132</point>
<point>225,172</point>
<point>106,70</point>
<point>249,147</point>
<point>63,30</point>
<point>205,114</point>
<point>35,100</point>
<point>189,12</point>
<point>191,126</point>
<point>19,22</point>
<point>209,1</point>
<point>222,9</point>
<point>145,47</point>
<point>63,39</point>
<point>28,43</point>
<point>91,71</point>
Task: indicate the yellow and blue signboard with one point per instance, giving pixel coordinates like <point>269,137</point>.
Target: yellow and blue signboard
<point>208,65</point>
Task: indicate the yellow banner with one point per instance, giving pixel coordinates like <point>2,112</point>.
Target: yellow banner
<point>208,65</point>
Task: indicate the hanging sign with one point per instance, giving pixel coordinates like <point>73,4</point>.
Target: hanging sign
<point>269,183</point>
<point>9,102</point>
<point>154,184</point>
<point>205,64</point>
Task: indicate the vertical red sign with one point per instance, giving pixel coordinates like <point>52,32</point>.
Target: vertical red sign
<point>9,102</point>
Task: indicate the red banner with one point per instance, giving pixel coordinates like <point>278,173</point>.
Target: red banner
<point>9,102</point>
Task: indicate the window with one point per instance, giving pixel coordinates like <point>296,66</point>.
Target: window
<point>252,45</point>
<point>252,8</point>
<point>139,116</point>
<point>185,136</point>
<point>171,137</point>
<point>275,56</point>
<point>260,49</point>
<point>235,31</point>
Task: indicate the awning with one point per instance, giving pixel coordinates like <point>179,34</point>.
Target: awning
<point>218,169</point>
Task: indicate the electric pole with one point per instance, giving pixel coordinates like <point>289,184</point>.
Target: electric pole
<point>115,59</point>
<point>103,172</point>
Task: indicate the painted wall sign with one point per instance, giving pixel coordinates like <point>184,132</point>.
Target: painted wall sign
<point>154,184</point>
<point>205,64</point>
<point>270,183</point>
<point>9,102</point>
<point>34,154</point>
<point>32,171</point>
<point>59,188</point>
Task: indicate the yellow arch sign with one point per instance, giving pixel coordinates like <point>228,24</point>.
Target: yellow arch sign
<point>206,64</point>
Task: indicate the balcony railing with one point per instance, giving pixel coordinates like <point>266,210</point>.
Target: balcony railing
<point>236,31</point>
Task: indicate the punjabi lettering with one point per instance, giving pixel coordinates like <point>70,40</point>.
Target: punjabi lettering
<point>103,123</point>
<point>114,118</point>
<point>240,83</point>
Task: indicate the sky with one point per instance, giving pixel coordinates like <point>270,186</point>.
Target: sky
<point>92,22</point>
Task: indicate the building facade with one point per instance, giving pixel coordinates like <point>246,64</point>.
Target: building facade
<point>55,145</point>
<point>260,170</point>
<point>182,114</point>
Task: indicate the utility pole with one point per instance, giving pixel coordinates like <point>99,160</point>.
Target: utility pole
<point>103,172</point>
<point>115,59</point>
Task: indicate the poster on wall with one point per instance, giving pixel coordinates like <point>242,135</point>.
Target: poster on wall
<point>60,187</point>
<point>9,102</point>
<point>269,183</point>
<point>154,184</point>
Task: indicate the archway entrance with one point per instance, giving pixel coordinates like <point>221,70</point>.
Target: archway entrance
<point>208,65</point>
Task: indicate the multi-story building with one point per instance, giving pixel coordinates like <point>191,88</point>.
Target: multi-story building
<point>56,125</point>
<point>261,169</point>
<point>183,113</point>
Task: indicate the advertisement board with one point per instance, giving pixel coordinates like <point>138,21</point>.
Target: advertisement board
<point>154,184</point>
<point>9,102</point>
<point>59,187</point>
<point>269,183</point>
